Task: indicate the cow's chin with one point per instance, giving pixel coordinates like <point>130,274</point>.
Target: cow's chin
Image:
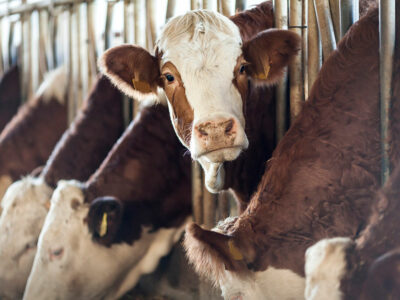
<point>221,155</point>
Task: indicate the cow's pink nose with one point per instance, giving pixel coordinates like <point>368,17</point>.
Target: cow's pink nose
<point>215,134</point>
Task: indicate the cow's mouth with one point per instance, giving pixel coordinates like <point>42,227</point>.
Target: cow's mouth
<point>221,155</point>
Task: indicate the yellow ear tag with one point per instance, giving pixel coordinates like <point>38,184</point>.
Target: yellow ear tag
<point>236,254</point>
<point>103,225</point>
<point>47,205</point>
<point>141,86</point>
<point>264,75</point>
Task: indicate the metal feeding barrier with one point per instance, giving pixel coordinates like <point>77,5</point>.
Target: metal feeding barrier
<point>45,34</point>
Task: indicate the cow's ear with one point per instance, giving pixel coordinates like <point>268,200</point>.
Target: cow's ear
<point>104,219</point>
<point>211,253</point>
<point>268,53</point>
<point>133,70</point>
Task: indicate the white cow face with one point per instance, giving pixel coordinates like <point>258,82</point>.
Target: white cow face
<point>203,67</point>
<point>25,206</point>
<point>69,264</point>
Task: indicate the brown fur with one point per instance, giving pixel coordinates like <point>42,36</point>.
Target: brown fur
<point>147,174</point>
<point>27,141</point>
<point>10,95</point>
<point>252,21</point>
<point>89,138</point>
<point>322,177</point>
<point>381,235</point>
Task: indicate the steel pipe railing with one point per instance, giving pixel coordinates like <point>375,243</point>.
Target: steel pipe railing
<point>387,30</point>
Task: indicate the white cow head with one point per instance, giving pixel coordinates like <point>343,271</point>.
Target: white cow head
<point>203,67</point>
<point>25,206</point>
<point>71,264</point>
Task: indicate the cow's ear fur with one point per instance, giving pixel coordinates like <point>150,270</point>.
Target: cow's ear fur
<point>133,70</point>
<point>104,219</point>
<point>268,53</point>
<point>211,253</point>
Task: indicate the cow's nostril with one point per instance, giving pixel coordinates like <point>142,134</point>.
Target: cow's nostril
<point>229,126</point>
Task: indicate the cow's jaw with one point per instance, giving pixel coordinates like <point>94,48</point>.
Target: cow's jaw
<point>67,259</point>
<point>25,207</point>
<point>206,106</point>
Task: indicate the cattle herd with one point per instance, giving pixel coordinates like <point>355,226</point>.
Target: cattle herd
<point>89,208</point>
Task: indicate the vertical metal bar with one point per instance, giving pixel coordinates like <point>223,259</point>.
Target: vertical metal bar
<point>314,47</point>
<point>223,205</point>
<point>347,15</point>
<point>325,26</point>
<point>387,28</point>
<point>77,59</point>
<point>171,6</point>
<point>1,48</point>
<point>69,57</point>
<point>226,7</point>
<point>107,30</point>
<point>209,208</point>
<point>241,5</point>
<point>335,16</point>
<point>92,51</point>
<point>281,22</point>
<point>43,38</point>
<point>197,193</point>
<point>304,47</point>
<point>127,103</point>
<point>140,23</point>
<point>10,44</point>
<point>151,21</point>
<point>210,4</point>
<point>195,4</point>
<point>295,67</point>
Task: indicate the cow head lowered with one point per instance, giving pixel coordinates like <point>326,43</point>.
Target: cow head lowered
<point>203,66</point>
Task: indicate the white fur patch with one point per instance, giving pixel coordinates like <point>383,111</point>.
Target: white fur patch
<point>86,269</point>
<point>25,207</point>
<point>272,284</point>
<point>325,267</point>
<point>55,85</point>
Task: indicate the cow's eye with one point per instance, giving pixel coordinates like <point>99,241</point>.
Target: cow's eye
<point>242,69</point>
<point>169,77</point>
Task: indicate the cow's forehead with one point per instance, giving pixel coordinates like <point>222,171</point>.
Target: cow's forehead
<point>200,42</point>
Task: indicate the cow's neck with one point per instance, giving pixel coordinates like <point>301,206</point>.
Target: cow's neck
<point>31,136</point>
<point>89,139</point>
<point>244,173</point>
<point>148,172</point>
<point>322,178</point>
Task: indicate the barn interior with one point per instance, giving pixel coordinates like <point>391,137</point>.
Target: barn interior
<point>38,36</point>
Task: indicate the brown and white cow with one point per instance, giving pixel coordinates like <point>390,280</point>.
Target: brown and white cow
<point>76,156</point>
<point>319,183</point>
<point>100,236</point>
<point>27,140</point>
<point>10,95</point>
<point>367,268</point>
<point>203,62</point>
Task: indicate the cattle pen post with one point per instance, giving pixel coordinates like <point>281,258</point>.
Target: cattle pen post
<point>387,28</point>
